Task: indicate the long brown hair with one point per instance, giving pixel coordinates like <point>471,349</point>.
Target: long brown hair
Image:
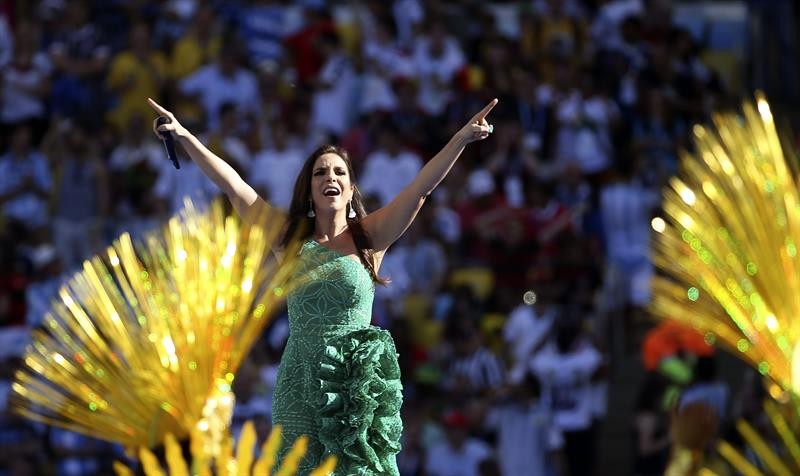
<point>301,226</point>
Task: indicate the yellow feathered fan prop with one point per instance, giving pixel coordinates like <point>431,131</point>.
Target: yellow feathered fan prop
<point>141,346</point>
<point>728,249</point>
<point>729,265</point>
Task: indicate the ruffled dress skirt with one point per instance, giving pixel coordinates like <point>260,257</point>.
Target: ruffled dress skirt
<point>343,391</point>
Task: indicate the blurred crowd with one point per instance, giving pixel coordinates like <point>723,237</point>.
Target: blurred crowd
<point>518,287</point>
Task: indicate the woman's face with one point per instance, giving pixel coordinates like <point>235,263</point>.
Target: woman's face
<point>331,187</point>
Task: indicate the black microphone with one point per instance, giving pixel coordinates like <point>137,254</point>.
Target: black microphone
<point>169,142</point>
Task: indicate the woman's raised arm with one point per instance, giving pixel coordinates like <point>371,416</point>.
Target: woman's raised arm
<point>387,224</point>
<point>244,199</point>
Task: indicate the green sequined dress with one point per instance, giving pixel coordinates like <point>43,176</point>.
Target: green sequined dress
<point>338,381</point>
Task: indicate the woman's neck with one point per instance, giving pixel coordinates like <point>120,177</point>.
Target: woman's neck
<point>328,227</point>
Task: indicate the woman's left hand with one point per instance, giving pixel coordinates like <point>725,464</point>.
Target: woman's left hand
<point>477,128</point>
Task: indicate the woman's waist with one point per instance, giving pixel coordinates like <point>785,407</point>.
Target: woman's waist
<point>304,330</point>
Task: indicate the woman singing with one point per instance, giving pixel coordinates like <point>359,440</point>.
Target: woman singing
<point>339,382</point>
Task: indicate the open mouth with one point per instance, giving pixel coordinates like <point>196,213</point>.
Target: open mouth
<point>331,192</point>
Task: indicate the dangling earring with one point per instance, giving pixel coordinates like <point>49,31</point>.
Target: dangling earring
<point>310,213</point>
<point>352,213</point>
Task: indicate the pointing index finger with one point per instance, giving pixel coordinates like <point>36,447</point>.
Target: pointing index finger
<point>158,108</point>
<point>486,110</point>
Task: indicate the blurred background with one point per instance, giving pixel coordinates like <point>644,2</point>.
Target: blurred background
<point>518,297</point>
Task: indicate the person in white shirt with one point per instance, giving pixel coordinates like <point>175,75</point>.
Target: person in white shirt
<point>174,185</point>
<point>626,208</point>
<point>527,328</point>
<point>222,82</point>
<point>527,438</point>
<point>389,168</point>
<point>384,62</point>
<point>334,98</point>
<point>135,166</point>
<point>25,84</point>
<point>458,454</point>
<point>384,55</point>
<point>586,120</point>
<point>275,168</point>
<point>407,15</point>
<point>137,148</point>
<point>566,367</point>
<point>437,59</point>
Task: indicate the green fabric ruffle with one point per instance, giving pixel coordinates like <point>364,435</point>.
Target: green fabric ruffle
<point>361,395</point>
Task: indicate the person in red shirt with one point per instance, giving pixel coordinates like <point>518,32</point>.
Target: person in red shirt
<point>546,220</point>
<point>14,279</point>
<point>303,44</point>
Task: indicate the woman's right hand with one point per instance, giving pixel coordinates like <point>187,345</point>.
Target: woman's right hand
<point>477,128</point>
<point>172,126</point>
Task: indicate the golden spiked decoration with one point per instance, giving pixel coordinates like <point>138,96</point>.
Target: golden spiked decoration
<point>728,257</point>
<point>778,453</point>
<point>145,341</point>
<point>781,454</point>
<point>243,463</point>
<point>728,249</point>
